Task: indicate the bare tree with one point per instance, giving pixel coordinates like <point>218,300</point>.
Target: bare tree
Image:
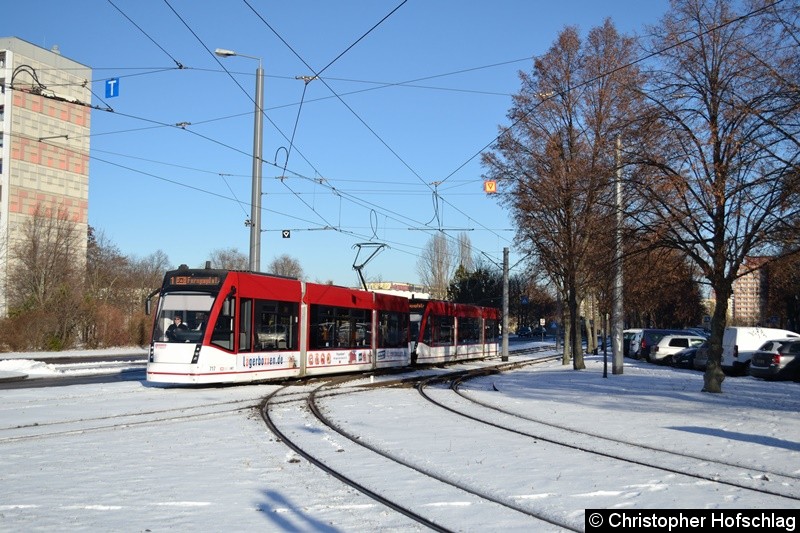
<point>716,160</point>
<point>107,295</point>
<point>286,265</point>
<point>434,266</point>
<point>229,259</point>
<point>147,272</point>
<point>466,257</point>
<point>558,158</point>
<point>45,280</point>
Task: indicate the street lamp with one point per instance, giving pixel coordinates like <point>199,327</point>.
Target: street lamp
<point>258,133</point>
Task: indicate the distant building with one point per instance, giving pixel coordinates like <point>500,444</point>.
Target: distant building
<point>750,293</point>
<point>44,142</point>
<point>409,290</point>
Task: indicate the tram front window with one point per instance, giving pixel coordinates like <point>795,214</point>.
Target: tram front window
<point>182,317</point>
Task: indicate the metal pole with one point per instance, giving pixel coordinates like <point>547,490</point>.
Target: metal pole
<point>255,213</point>
<point>504,354</point>
<point>605,347</point>
<point>616,367</point>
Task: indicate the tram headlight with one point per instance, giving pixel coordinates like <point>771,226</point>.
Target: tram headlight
<point>196,354</point>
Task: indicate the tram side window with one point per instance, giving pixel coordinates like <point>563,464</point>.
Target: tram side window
<point>392,329</point>
<point>222,335</point>
<point>359,330</point>
<point>427,333</point>
<point>443,328</point>
<point>245,319</point>
<point>491,330</point>
<point>469,330</point>
<point>323,326</point>
<point>276,325</point>
<point>339,327</point>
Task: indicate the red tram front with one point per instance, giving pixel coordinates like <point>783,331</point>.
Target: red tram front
<point>217,326</point>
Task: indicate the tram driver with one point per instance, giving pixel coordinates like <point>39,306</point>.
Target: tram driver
<point>177,324</point>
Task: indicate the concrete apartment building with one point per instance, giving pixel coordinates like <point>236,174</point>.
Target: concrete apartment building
<point>749,300</point>
<point>44,143</point>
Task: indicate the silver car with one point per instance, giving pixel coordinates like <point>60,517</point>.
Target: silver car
<point>777,359</point>
<point>669,345</point>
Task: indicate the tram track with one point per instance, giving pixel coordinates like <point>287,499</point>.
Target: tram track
<point>425,478</point>
<point>717,472</point>
<point>350,436</point>
<point>56,428</point>
<point>317,460</point>
<point>456,387</point>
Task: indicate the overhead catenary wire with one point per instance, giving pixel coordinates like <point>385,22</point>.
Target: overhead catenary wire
<point>317,76</point>
<point>183,125</point>
<point>334,190</point>
<point>400,246</point>
<point>435,193</point>
<point>602,75</point>
<point>177,63</point>
<point>448,177</point>
<point>336,95</point>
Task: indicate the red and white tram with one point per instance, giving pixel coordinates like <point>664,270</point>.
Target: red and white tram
<point>445,332</point>
<point>224,326</point>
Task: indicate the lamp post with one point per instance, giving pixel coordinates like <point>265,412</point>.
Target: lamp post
<point>258,133</point>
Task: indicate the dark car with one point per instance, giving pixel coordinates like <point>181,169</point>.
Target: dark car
<point>685,357</point>
<point>524,331</point>
<point>539,331</point>
<point>700,361</point>
<point>777,359</point>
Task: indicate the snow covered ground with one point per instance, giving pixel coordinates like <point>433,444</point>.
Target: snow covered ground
<point>15,365</point>
<point>68,463</point>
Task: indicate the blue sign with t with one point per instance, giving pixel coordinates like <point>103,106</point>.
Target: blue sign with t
<point>112,87</point>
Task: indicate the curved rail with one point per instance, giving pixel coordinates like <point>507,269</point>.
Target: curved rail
<point>457,380</point>
<point>338,475</point>
<point>312,403</point>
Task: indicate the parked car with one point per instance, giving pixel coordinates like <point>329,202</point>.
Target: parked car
<point>668,345</point>
<point>777,359</point>
<point>700,360</point>
<point>524,331</point>
<point>685,358</point>
<point>651,337</point>
<point>700,332</point>
<point>630,341</point>
<point>739,344</point>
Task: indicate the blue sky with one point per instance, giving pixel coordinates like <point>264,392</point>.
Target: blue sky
<point>416,100</point>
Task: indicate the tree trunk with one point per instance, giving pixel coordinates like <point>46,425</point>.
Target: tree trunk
<point>575,337</point>
<point>713,377</point>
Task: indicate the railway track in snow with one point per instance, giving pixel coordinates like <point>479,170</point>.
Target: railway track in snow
<point>454,399</point>
<point>388,476</point>
<point>40,430</point>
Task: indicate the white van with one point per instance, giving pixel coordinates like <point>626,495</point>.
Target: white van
<point>739,343</point>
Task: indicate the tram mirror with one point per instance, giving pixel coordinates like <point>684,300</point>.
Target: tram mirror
<point>227,306</point>
<point>148,302</point>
